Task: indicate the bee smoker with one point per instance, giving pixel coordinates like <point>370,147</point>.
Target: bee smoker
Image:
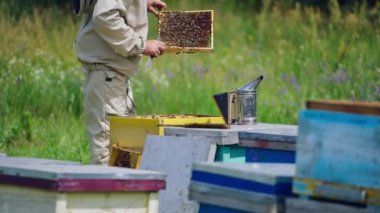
<point>239,106</point>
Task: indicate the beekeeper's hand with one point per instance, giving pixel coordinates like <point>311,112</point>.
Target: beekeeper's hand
<point>154,5</point>
<point>154,48</point>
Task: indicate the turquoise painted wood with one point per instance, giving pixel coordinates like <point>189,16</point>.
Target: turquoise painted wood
<point>230,154</point>
<point>226,140</point>
<point>339,148</point>
<point>246,143</point>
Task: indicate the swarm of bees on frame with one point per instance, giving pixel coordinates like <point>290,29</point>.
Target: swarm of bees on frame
<point>185,29</point>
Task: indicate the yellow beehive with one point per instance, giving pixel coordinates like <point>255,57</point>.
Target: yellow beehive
<point>128,134</point>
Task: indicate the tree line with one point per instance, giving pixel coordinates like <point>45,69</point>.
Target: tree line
<point>19,7</point>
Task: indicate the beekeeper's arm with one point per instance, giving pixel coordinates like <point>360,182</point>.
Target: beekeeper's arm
<point>111,27</point>
<point>154,5</point>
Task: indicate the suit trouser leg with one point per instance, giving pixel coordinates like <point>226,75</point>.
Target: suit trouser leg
<point>106,93</point>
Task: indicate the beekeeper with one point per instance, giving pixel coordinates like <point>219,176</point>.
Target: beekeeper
<point>110,42</point>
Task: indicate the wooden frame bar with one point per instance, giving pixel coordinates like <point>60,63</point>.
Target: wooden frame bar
<point>355,107</point>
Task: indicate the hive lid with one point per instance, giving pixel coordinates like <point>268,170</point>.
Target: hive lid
<point>271,132</point>
<point>73,177</point>
<point>269,173</point>
<point>265,178</point>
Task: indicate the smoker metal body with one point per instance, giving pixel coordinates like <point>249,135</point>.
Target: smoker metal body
<point>239,106</point>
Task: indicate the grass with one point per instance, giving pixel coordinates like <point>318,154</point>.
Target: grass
<point>302,54</point>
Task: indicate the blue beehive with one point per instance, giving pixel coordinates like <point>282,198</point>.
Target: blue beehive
<point>338,156</point>
<point>229,187</point>
<point>272,143</point>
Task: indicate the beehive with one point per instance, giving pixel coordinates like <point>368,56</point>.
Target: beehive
<point>39,186</point>
<point>128,134</point>
<point>187,31</point>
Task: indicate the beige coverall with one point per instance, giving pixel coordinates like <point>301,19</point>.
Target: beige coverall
<point>109,44</point>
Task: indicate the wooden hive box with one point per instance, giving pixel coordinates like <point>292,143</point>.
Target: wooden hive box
<point>353,107</point>
<point>232,187</point>
<point>51,186</point>
<point>187,31</point>
<point>270,143</point>
<point>338,156</point>
<point>262,142</point>
<point>296,205</point>
<point>128,134</point>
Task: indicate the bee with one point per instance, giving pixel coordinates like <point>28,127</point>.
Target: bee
<point>185,29</point>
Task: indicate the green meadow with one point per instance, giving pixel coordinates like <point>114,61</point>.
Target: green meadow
<point>303,53</point>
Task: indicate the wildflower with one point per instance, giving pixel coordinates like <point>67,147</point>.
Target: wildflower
<point>283,76</point>
<point>340,76</point>
<point>378,90</point>
<point>170,74</point>
<point>323,66</point>
<point>255,53</point>
<point>293,82</point>
<point>200,70</point>
<point>154,88</point>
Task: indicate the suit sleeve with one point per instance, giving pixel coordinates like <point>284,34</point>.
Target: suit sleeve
<point>113,29</point>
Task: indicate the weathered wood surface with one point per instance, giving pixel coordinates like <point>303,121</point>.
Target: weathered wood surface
<point>245,187</point>
<point>245,149</point>
<point>15,199</point>
<point>339,148</point>
<point>356,107</point>
<point>84,185</point>
<point>217,136</point>
<point>131,132</point>
<point>174,156</point>
<point>297,205</point>
<point>335,191</point>
<point>243,195</point>
<point>269,205</point>
<point>40,185</point>
<point>266,173</point>
<point>234,198</point>
<point>274,133</point>
<point>242,134</point>
<point>263,144</point>
<point>55,172</point>
<point>272,179</point>
<point>25,160</point>
<point>58,176</point>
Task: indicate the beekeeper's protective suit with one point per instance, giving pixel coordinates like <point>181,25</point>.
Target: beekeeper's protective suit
<point>109,44</point>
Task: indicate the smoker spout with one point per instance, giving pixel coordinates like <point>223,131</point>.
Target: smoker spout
<point>252,85</point>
